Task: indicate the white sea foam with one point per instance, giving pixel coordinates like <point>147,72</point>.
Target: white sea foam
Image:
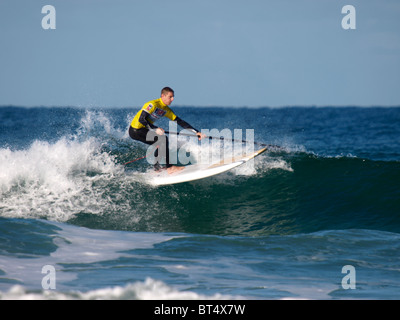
<point>53,180</point>
<point>149,289</point>
<point>98,122</point>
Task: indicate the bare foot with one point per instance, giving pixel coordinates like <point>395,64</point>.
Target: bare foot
<point>174,169</point>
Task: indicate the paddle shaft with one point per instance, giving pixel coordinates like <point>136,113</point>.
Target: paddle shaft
<point>222,138</point>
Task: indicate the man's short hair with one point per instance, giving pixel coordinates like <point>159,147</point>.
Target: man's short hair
<point>165,90</point>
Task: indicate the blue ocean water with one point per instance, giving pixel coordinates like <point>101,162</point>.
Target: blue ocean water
<point>286,227</point>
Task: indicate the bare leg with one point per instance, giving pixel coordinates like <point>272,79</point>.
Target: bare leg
<point>174,169</point>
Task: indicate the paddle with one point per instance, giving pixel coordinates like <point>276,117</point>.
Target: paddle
<point>219,138</point>
<point>222,138</point>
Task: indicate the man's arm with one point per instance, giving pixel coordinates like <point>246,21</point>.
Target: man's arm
<point>187,126</point>
<point>143,120</point>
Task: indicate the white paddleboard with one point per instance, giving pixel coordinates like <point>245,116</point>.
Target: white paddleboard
<point>200,171</point>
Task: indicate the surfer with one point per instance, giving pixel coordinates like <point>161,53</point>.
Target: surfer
<point>143,123</point>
